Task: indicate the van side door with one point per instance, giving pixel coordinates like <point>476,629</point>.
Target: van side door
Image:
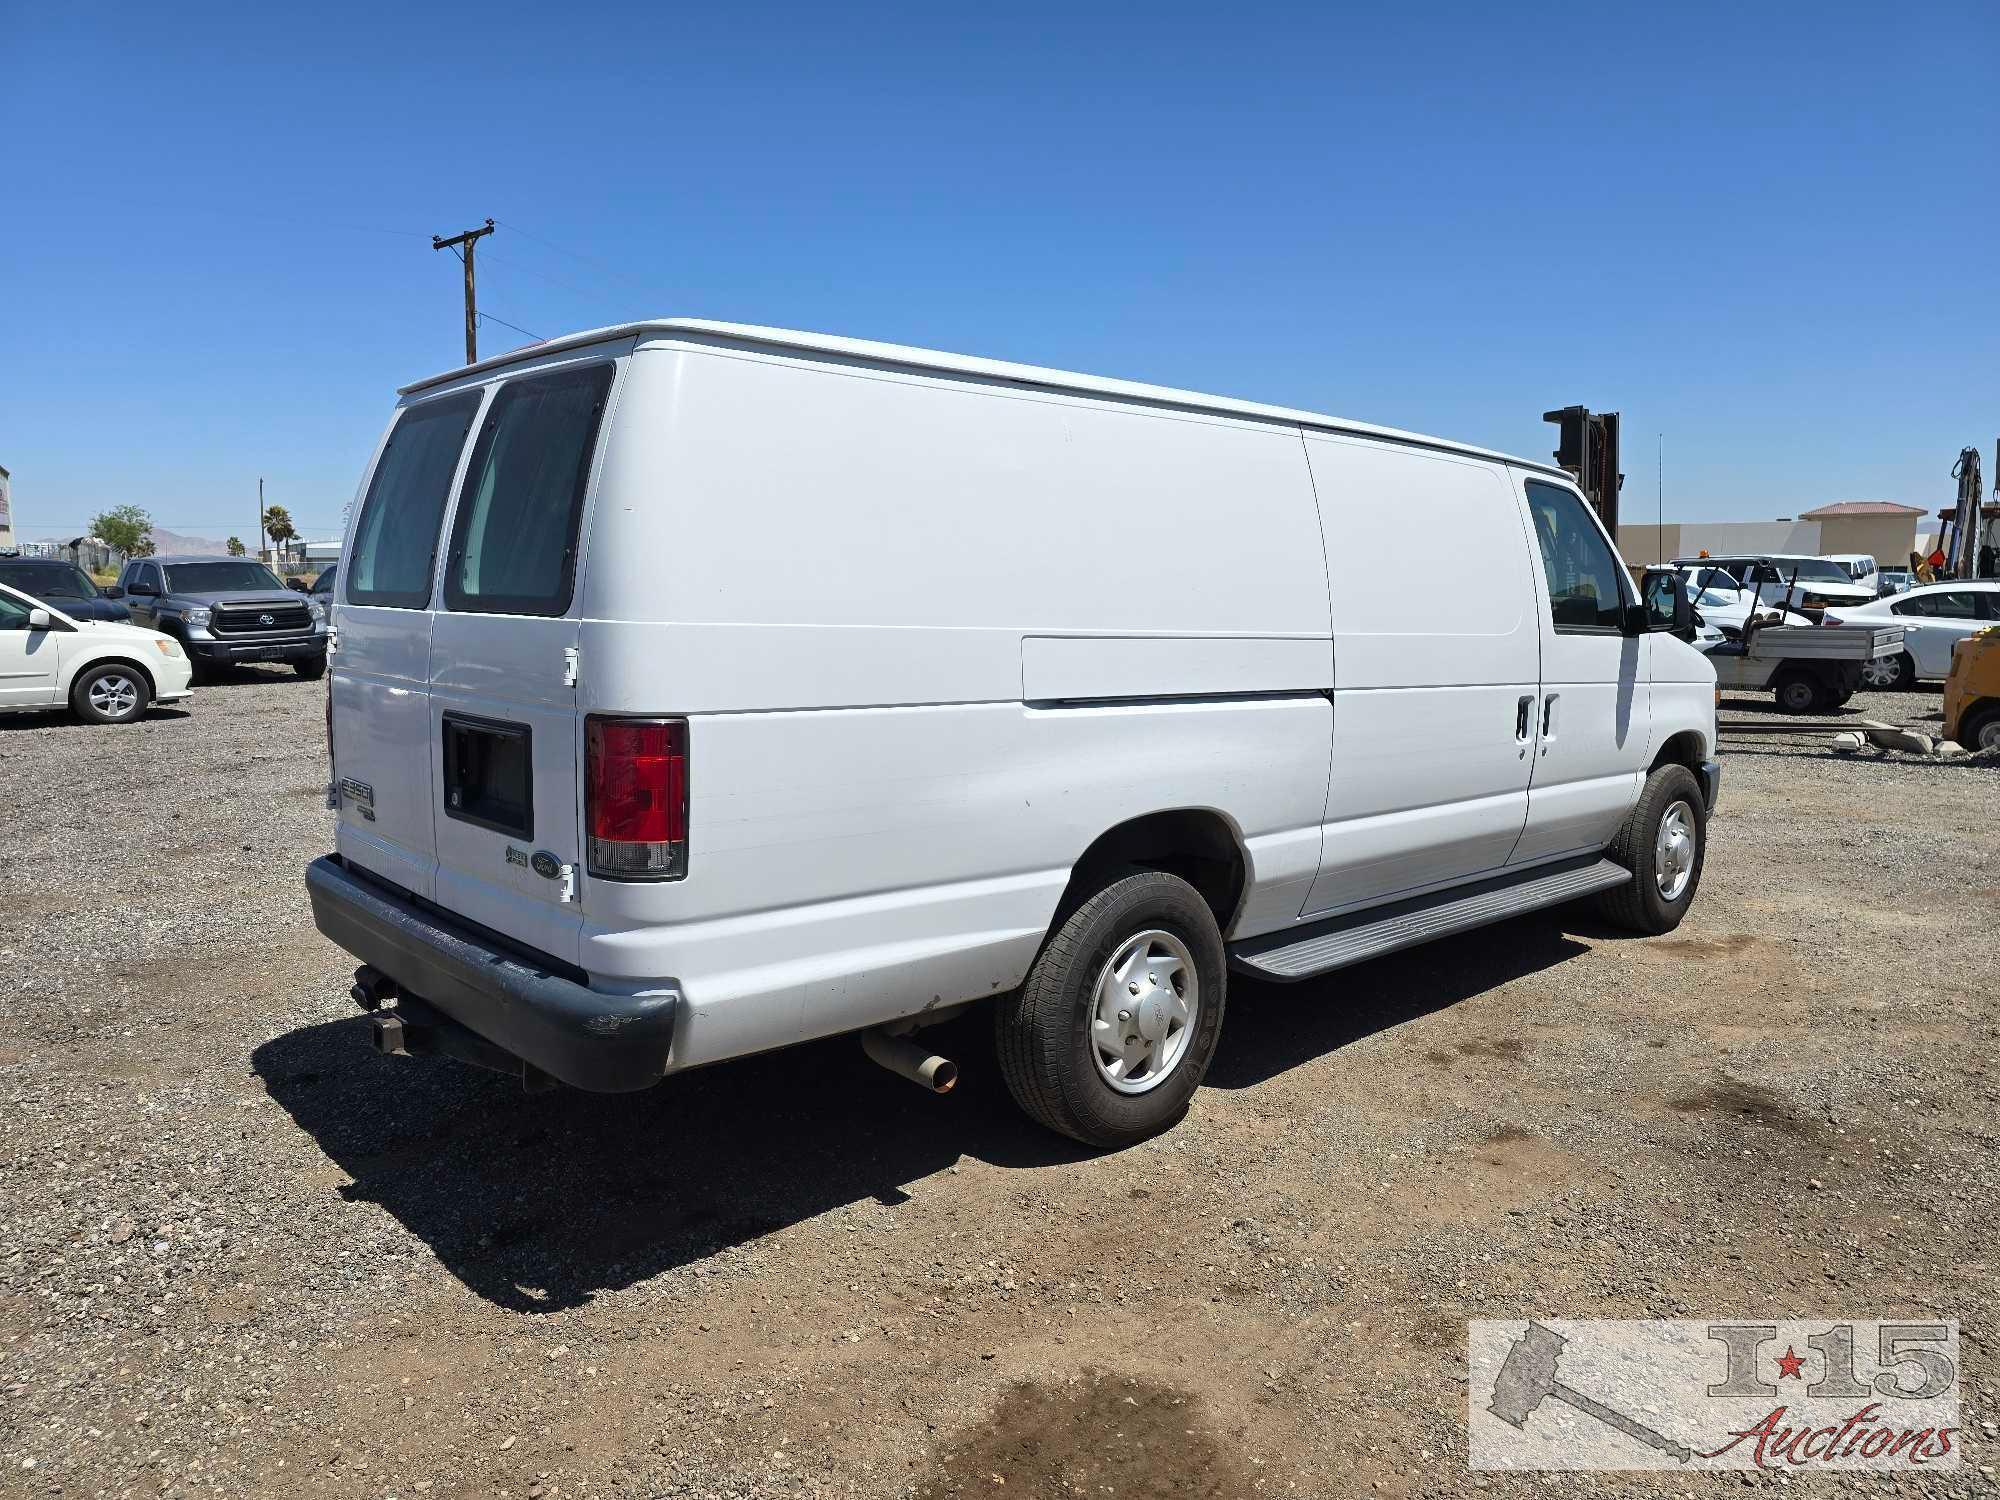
<point>1593,734</point>
<point>28,657</point>
<point>1436,669</point>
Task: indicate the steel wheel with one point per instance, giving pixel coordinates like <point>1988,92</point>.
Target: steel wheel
<point>114,695</point>
<point>1673,851</point>
<point>1987,737</point>
<point>1148,999</point>
<point>1798,696</point>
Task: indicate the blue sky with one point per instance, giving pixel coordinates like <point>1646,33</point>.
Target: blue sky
<point>1768,231</point>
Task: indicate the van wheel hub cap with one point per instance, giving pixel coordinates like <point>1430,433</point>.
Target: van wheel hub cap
<point>1147,1000</point>
<point>1673,851</point>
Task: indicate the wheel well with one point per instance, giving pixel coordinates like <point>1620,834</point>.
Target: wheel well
<point>1196,844</point>
<point>1684,749</point>
<point>152,686</point>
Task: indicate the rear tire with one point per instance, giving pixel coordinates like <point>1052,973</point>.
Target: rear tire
<point>1891,675</point>
<point>1065,1049</point>
<point>1800,692</point>
<point>113,693</point>
<point>1664,843</point>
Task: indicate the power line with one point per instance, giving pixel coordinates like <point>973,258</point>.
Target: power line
<point>572,254</point>
<point>489,318</point>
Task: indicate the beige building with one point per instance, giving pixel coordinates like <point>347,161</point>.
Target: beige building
<point>1882,529</point>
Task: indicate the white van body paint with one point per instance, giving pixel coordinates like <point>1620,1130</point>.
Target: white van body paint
<point>937,624</point>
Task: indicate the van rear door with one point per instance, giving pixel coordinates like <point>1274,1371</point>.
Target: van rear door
<point>381,671</point>
<point>504,736</point>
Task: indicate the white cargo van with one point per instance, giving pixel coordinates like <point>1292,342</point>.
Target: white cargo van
<point>701,689</point>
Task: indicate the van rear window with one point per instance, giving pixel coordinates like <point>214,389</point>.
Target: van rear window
<point>514,538</point>
<point>395,541</point>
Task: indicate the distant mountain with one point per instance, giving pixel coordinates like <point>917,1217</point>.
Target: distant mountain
<point>168,543</point>
<point>173,544</point>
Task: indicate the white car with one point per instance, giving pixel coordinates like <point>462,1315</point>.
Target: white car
<point>106,673</point>
<point>1935,617</point>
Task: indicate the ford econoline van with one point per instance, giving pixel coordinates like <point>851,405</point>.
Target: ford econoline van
<point>700,689</point>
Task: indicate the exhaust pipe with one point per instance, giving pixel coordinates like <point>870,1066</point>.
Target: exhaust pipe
<point>925,1069</point>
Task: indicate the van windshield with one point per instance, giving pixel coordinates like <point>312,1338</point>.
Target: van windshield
<point>219,577</point>
<point>48,581</point>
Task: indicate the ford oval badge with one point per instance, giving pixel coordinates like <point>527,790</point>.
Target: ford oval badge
<point>546,864</point>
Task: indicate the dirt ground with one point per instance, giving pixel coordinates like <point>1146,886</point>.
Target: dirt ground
<point>242,1255</point>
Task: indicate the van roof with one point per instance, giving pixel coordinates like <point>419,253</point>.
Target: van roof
<point>903,355</point>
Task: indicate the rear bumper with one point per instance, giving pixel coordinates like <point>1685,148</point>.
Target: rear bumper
<point>607,1043</point>
<point>1711,782</point>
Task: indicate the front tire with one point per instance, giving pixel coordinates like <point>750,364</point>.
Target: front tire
<point>1115,1026</point>
<point>111,694</point>
<point>1980,730</point>
<point>312,668</point>
<point>1663,842</point>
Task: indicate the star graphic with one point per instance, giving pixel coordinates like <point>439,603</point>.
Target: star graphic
<point>1790,1363</point>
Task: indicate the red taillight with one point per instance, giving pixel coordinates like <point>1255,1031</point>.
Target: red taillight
<point>636,797</point>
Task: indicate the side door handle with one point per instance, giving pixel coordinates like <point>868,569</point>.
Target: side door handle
<point>1549,720</point>
<point>1523,711</point>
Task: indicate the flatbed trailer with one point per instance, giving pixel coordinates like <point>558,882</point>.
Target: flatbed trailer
<point>1810,669</point>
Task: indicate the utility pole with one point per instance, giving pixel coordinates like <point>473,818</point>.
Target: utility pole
<point>468,239</point>
<point>260,518</point>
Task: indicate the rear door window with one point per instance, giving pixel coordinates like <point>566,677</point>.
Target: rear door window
<point>395,541</point>
<point>514,537</point>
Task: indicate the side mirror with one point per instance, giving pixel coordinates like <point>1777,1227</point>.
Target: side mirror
<point>1667,607</point>
<point>143,591</point>
<point>40,619</point>
<point>111,592</point>
<point>297,585</point>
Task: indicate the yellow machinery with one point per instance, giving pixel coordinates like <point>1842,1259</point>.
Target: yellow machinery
<point>1972,692</point>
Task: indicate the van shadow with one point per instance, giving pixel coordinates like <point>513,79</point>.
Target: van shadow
<point>60,717</point>
<point>537,1203</point>
<point>1273,1028</point>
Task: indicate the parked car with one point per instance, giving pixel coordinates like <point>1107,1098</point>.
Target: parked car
<point>225,610</point>
<point>107,673</point>
<point>1972,693</point>
<point>1935,617</point>
<point>808,686</point>
<point>62,584</point>
<point>1894,581</point>
<point>1789,581</point>
<point>322,585</point>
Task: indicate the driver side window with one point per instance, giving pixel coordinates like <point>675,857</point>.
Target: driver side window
<point>1586,591</point>
<point>13,613</point>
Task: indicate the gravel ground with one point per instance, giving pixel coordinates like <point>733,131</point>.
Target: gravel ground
<point>242,1255</point>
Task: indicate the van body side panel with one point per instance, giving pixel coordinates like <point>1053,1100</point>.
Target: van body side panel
<point>849,867</point>
<point>832,572</point>
<point>1430,780</point>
